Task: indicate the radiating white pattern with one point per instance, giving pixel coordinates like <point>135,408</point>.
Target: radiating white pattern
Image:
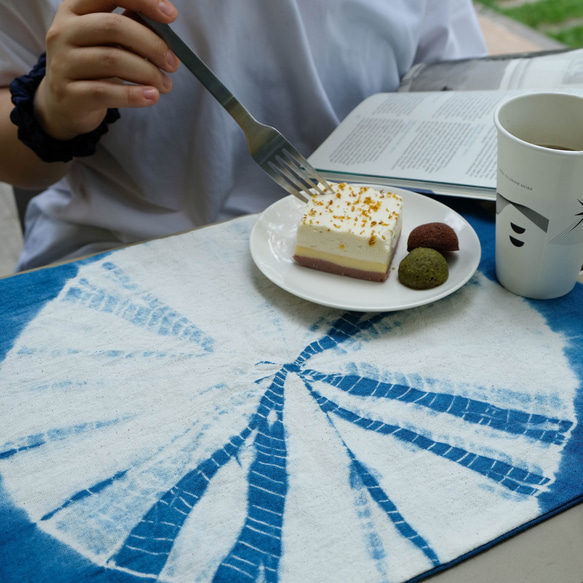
<point>332,437</point>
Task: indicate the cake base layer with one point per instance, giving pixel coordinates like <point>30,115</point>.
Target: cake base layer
<point>329,267</point>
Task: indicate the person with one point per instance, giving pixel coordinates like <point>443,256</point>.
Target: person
<point>175,160</point>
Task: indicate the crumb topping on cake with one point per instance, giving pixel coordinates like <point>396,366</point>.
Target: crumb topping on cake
<point>360,210</point>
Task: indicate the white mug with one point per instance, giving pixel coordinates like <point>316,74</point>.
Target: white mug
<point>539,200</point>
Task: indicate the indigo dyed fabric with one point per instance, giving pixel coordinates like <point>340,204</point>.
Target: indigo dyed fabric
<point>166,413</point>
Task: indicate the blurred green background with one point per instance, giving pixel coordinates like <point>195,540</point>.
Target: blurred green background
<point>561,20</point>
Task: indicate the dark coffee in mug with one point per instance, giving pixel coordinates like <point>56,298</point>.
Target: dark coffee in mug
<point>558,148</point>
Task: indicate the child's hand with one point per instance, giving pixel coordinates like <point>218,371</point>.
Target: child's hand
<point>97,59</point>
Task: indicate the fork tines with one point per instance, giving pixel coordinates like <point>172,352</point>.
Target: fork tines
<point>300,178</point>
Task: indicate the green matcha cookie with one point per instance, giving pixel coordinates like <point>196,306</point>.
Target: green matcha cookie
<point>423,269</point>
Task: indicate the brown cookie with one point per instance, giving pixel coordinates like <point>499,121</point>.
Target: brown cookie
<point>438,236</point>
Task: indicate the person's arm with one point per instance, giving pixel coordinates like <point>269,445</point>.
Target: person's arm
<point>96,59</point>
<point>19,165</point>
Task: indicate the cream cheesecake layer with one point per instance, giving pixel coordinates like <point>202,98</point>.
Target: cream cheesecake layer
<point>353,226</point>
<point>349,262</point>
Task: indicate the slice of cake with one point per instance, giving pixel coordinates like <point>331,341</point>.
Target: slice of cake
<point>353,231</point>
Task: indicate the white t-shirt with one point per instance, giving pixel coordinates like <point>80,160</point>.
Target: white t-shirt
<point>299,65</point>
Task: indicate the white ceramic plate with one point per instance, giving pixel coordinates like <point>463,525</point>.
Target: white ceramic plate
<point>273,240</point>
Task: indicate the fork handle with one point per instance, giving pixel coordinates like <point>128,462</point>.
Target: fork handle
<point>202,72</point>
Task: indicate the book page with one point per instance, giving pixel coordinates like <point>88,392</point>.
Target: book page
<point>559,71</point>
<point>444,142</point>
<point>422,137</point>
<point>542,70</point>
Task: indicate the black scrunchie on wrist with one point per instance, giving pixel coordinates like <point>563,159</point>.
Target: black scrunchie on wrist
<point>31,133</point>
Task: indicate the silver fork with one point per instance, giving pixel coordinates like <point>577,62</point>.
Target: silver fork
<point>267,146</point>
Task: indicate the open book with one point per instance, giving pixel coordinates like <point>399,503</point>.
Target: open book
<point>437,133</point>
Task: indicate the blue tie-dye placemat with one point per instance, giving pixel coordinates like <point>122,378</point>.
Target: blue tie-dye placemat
<point>167,413</point>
